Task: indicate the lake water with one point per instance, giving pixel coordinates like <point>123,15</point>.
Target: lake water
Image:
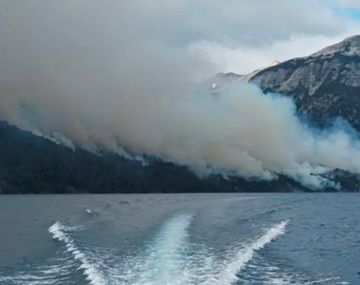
<point>178,239</point>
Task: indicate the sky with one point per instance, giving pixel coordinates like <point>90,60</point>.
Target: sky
<point>237,35</point>
<point>293,29</point>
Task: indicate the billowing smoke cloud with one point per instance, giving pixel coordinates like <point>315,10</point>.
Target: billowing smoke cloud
<point>121,75</point>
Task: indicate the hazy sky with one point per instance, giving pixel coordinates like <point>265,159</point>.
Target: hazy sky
<point>238,35</point>
<point>279,30</point>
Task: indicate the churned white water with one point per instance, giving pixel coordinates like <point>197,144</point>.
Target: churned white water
<point>59,232</point>
<point>168,258</point>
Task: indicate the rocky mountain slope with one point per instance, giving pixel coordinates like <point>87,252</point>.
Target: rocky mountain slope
<point>323,85</point>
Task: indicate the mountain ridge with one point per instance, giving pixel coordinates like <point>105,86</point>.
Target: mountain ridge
<point>324,85</point>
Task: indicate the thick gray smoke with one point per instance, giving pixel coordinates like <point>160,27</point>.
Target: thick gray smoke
<point>120,75</point>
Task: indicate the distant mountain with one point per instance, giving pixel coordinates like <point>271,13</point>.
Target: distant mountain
<point>224,78</point>
<point>324,85</point>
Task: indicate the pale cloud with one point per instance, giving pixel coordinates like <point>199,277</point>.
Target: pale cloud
<point>244,59</point>
<point>289,29</point>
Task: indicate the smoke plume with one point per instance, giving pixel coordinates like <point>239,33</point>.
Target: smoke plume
<point>121,76</point>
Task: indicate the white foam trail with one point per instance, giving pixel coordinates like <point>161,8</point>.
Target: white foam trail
<point>58,232</point>
<point>167,254</point>
<point>170,260</point>
<point>242,257</point>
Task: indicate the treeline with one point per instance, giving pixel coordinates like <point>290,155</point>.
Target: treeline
<point>31,164</point>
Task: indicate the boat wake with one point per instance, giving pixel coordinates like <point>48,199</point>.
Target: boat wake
<point>165,257</point>
<point>93,275</point>
<point>240,257</point>
<point>168,258</point>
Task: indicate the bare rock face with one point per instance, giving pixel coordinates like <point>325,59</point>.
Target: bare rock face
<point>324,85</point>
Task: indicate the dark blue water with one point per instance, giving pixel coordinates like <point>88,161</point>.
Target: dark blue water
<point>180,239</point>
